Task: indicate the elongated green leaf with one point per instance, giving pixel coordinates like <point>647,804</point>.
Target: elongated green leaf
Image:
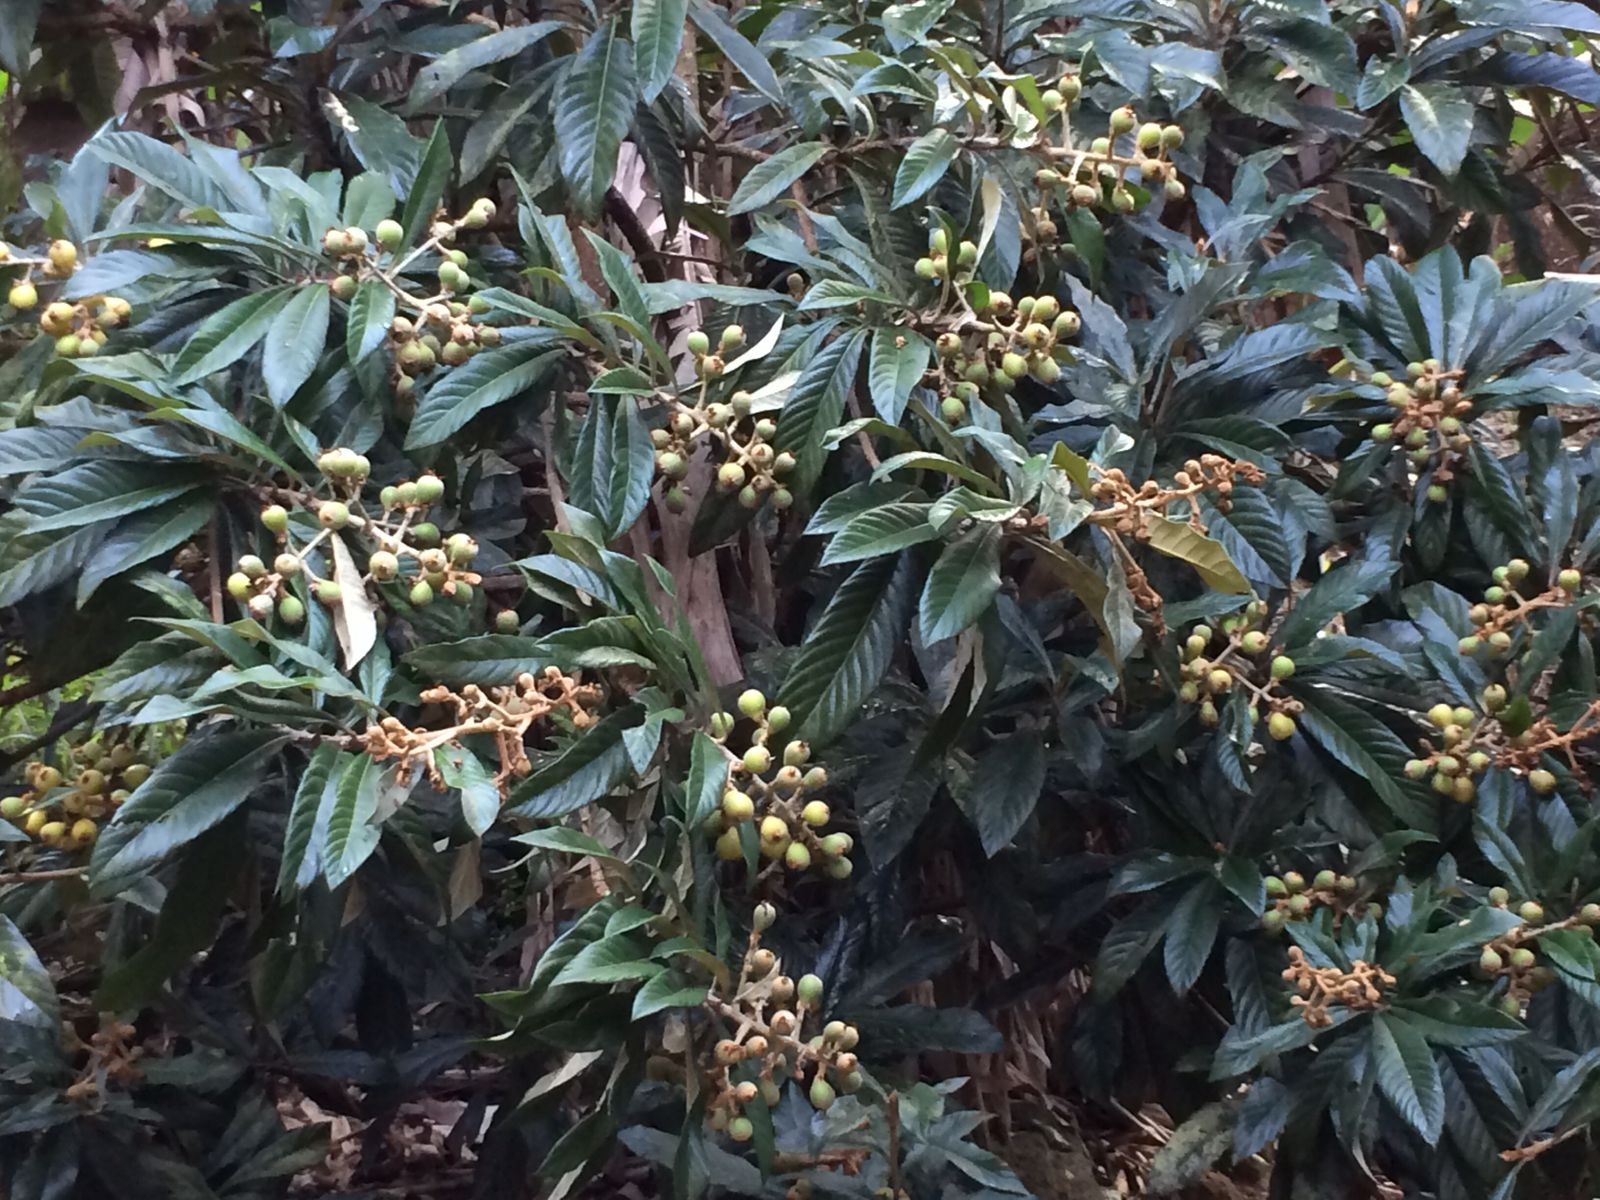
<point>588,768</point>
<point>141,538</point>
<point>480,798</point>
<point>1440,119</point>
<point>367,323</point>
<point>1191,933</point>
<point>737,48</point>
<point>667,990</point>
<point>295,340</point>
<point>16,34</point>
<point>434,167</point>
<point>708,778</point>
<point>849,648</point>
<point>614,463</point>
<point>188,793</point>
<point>1006,785</point>
<point>769,179</point>
<point>353,832</point>
<point>159,165</point>
<point>313,799</point>
<point>1340,591</point>
<point>962,584</point>
<point>881,530</point>
<point>1179,539</point>
<point>98,491</point>
<point>1407,1075</point>
<point>490,378</point>
<point>657,27</point>
<point>925,162</point>
<point>444,72</point>
<point>899,357</point>
<point>27,994</point>
<point>815,405</point>
<point>593,109</point>
<point>36,561</point>
<point>228,334</point>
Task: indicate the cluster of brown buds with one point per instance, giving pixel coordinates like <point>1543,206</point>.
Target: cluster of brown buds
<point>752,466</point>
<point>1511,957</point>
<point>1128,509</point>
<point>66,814</point>
<point>1097,177</point>
<point>1290,899</point>
<point>780,799</point>
<point>506,713</point>
<point>1430,409</point>
<point>431,329</point>
<point>1504,606</point>
<point>1245,660</point>
<point>405,547</point>
<point>765,1020</point>
<point>1319,988</point>
<point>110,1059</point>
<point>1016,339</point>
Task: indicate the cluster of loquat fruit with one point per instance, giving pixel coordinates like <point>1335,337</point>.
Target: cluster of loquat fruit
<point>768,1014</point>
<point>752,466</point>
<point>1504,605</point>
<point>1290,898</point>
<point>1244,660</point>
<point>66,814</point>
<point>774,796</point>
<point>408,549</point>
<point>1018,339</point>
<point>1430,411</point>
<point>1511,959</point>
<point>78,326</point>
<point>1098,177</point>
<point>433,329</point>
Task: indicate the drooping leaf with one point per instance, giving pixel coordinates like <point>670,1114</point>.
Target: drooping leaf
<point>847,651</point>
<point>925,162</point>
<point>771,177</point>
<point>593,109</point>
<point>294,342</point>
<point>962,583</point>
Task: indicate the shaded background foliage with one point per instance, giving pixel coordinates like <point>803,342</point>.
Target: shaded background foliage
<point>1090,886</point>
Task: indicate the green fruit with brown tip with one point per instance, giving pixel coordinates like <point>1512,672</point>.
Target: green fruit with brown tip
<point>1490,962</point>
<point>329,592</point>
<point>1522,958</point>
<point>1254,642</point>
<point>1299,905</point>
<point>1569,580</point>
<point>291,611</point>
<point>1294,881</point>
<point>1280,726</point>
<point>1273,920</point>
<point>809,989</point>
<point>1437,493</point>
<point>1542,781</point>
<point>737,806</point>
<point>797,857</point>
<point>239,586</point>
<point>13,807</point>
<point>332,514</point>
<point>816,814</point>
<point>730,848</point>
<point>421,594</point>
<point>1325,880</point>
<point>1275,886</point>
<point>425,535</point>
<point>1531,911</point>
<point>135,774</point>
<point>699,343</point>
<point>275,518</point>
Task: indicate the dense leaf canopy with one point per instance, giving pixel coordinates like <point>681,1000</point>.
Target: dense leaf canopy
<point>708,595</point>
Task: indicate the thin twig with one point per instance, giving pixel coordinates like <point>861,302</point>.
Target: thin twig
<point>42,876</point>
